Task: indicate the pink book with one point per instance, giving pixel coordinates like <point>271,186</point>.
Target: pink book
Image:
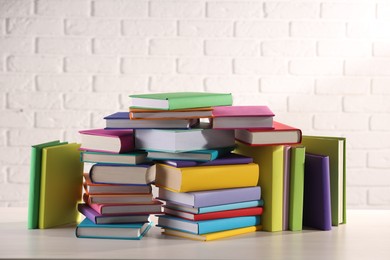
<point>153,208</point>
<point>107,140</point>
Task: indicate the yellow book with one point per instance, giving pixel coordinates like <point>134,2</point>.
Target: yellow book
<point>199,178</point>
<point>212,236</point>
<point>61,185</point>
<point>270,159</point>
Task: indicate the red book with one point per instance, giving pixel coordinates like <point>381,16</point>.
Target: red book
<point>215,215</point>
<point>105,140</point>
<point>280,134</point>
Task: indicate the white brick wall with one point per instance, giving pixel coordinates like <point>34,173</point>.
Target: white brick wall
<point>322,65</point>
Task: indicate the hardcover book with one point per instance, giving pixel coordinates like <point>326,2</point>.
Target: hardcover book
<point>217,208</point>
<point>231,158</point>
<point>153,114</point>
<point>118,198</point>
<point>113,158</point>
<point>107,209</point>
<point>215,215</point>
<point>286,185</point>
<point>197,156</point>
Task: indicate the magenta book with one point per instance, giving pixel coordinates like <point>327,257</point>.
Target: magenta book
<point>104,140</point>
<point>238,111</point>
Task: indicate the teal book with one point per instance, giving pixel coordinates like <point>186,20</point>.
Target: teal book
<point>181,100</point>
<point>35,182</point>
<point>209,209</point>
<point>131,231</point>
<point>197,156</point>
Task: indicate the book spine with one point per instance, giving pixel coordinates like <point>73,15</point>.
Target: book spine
<point>209,226</point>
<point>203,101</point>
<point>227,196</point>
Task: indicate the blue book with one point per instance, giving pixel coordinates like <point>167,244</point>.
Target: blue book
<point>135,231</point>
<point>193,157</point>
<point>200,210</point>
<point>207,226</point>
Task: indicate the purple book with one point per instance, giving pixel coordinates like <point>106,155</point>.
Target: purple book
<point>316,201</point>
<point>229,159</point>
<point>98,218</point>
<point>211,197</point>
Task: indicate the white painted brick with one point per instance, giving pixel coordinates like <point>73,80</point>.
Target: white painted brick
<point>367,104</point>
<point>314,29</point>
<point>92,64</point>
<point>379,196</point>
<point>64,45</point>
<point>3,100</point>
<point>14,156</point>
<point>14,192</point>
<point>64,83</point>
<point>232,84</point>
<point>368,177</point>
<point>176,46</point>
<point>27,136</point>
<point>291,10</point>
<point>206,28</point>
<point>348,11</point>
<point>97,121</point>
<point>380,122</point>
<point>368,140</point>
<point>65,8</point>
<point>295,48</point>
<point>367,67</point>
<point>338,121</point>
<point>341,48</point>
<point>379,159</point>
<point>3,140</point>
<point>3,174</point>
<point>248,48</point>
<point>381,86</point>
<point>286,84</point>
<point>383,10</point>
<point>176,83</point>
<point>232,9</point>
<point>381,49</point>
<point>291,118</point>
<point>35,64</point>
<point>91,101</point>
<point>276,102</point>
<point>317,67</point>
<point>16,118</point>
<point>2,63</point>
<point>15,8</point>
<point>177,9</point>
<point>369,29</point>
<point>205,66</point>
<point>343,86</point>
<point>148,65</point>
<point>92,27</point>
<point>262,29</point>
<point>34,100</point>
<point>122,46</point>
<point>18,175</point>
<point>356,158</point>
<point>121,84</point>
<point>35,26</point>
<point>310,103</point>
<point>120,8</point>
<point>2,26</point>
<point>15,83</point>
<point>149,27</point>
<point>16,45</point>
<point>356,196</point>
<point>62,119</point>
<point>261,66</point>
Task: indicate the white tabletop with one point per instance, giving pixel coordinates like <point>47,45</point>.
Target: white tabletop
<point>365,236</point>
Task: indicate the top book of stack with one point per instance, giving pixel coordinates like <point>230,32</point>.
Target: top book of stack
<point>181,100</point>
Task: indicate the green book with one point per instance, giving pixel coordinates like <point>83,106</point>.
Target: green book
<point>334,147</point>
<point>35,182</point>
<point>297,169</point>
<point>181,100</point>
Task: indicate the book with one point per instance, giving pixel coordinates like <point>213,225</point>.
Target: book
<point>176,140</point>
<point>61,185</point>
<point>197,156</point>
<point>122,158</point>
<point>121,120</point>
<point>214,235</point>
<point>35,182</point>
<point>296,190</point>
<point>132,231</point>
<point>286,185</point>
<point>104,188</point>
<point>231,158</point>
<point>215,215</point>
<point>153,114</point>
<point>317,198</point>
<point>206,226</point>
<point>236,117</point>
<point>210,197</point>
<point>98,218</point>
<point>103,140</point>
<point>280,134</point>
<point>118,198</point>
<point>223,207</point>
<point>335,148</point>
<point>122,174</point>
<point>270,180</point>
<point>181,100</point>
<point>218,177</point>
<point>142,209</point>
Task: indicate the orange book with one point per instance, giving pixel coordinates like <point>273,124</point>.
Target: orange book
<point>152,114</point>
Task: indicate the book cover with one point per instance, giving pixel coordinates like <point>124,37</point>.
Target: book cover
<point>107,209</point>
<point>196,156</point>
<point>211,197</point>
<point>335,148</point>
<point>270,180</point>
<point>104,140</point>
<point>113,158</point>
<point>181,100</point>
<point>317,198</point>
<point>118,198</point>
<point>286,185</point>
<point>223,207</point>
<point>231,158</point>
<point>61,185</point>
<point>218,177</point>
<point>153,114</point>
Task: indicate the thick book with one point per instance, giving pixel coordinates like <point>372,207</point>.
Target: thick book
<point>280,134</point>
<point>153,114</point>
<point>214,235</point>
<point>211,197</point>
<point>120,158</point>
<point>118,198</point>
<point>206,226</point>
<point>132,231</point>
<point>195,156</point>
<point>181,100</point>
<point>35,182</point>
<point>61,185</point>
<point>123,174</point>
<point>121,120</point>
<point>296,190</point>
<point>200,178</point>
<point>176,140</point>
<point>103,140</point>
<point>98,218</point>
<point>335,148</point>
<point>215,215</point>
<point>107,209</point>
<point>244,117</point>
<point>223,207</point>
<point>231,158</point>
<point>317,198</point>
<point>271,160</point>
